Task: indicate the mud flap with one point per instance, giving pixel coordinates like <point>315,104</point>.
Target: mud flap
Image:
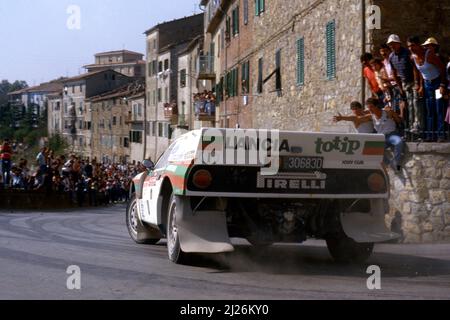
<point>143,232</point>
<point>368,227</point>
<point>202,231</point>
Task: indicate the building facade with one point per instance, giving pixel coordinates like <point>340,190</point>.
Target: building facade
<point>230,28</point>
<point>77,115</point>
<point>164,42</point>
<point>126,62</point>
<point>54,114</point>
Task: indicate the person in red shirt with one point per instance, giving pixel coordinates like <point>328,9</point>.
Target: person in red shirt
<point>6,156</point>
<point>370,75</point>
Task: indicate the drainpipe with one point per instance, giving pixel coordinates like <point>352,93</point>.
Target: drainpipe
<point>363,47</point>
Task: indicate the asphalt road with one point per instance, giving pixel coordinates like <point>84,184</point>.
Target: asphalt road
<point>37,248</point>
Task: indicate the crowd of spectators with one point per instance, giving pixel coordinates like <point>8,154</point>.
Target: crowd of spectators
<point>410,95</point>
<point>86,182</point>
<point>205,104</point>
<point>412,78</point>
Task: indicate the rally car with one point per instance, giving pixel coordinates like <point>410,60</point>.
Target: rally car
<point>268,187</point>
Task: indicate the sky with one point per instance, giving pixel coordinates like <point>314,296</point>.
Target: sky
<point>41,40</point>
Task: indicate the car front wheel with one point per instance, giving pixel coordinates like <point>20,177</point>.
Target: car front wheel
<point>175,253</point>
<point>134,224</point>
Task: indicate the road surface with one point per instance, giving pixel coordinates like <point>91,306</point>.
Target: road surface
<point>36,248</point>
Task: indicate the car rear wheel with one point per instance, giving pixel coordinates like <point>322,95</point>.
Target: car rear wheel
<point>174,251</point>
<point>134,223</point>
<point>345,250</point>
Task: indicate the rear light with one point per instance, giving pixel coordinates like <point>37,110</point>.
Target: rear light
<point>202,179</point>
<point>376,183</point>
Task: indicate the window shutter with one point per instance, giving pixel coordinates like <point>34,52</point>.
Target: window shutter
<point>256,7</point>
<point>245,12</point>
<point>331,50</point>
<point>260,75</point>
<point>237,20</point>
<point>301,61</point>
<point>262,6</point>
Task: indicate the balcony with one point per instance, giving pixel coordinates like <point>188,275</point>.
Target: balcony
<point>205,68</point>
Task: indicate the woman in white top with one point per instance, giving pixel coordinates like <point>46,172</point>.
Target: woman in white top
<point>432,71</point>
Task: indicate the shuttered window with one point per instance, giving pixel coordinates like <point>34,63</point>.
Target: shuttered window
<point>235,20</point>
<point>301,62</point>
<point>260,75</point>
<point>245,12</point>
<point>246,77</point>
<point>259,7</point>
<point>331,50</point>
<point>278,84</point>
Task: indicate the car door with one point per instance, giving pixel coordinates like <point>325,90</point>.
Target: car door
<point>152,187</point>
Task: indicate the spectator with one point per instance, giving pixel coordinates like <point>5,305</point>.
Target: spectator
<point>403,68</point>
<point>431,75</point>
<point>6,157</point>
<point>41,160</point>
<point>394,80</point>
<point>385,122</point>
<point>360,118</point>
<point>369,74</point>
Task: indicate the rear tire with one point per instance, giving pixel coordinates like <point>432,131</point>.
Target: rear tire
<point>134,223</point>
<point>176,255</point>
<point>345,250</point>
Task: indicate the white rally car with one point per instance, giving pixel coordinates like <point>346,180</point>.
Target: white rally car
<point>207,188</point>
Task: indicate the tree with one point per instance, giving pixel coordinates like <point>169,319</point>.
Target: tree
<point>7,87</point>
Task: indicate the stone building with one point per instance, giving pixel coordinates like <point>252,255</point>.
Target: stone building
<point>77,114</point>
<point>112,124</point>
<point>164,42</point>
<point>126,62</point>
<point>138,123</point>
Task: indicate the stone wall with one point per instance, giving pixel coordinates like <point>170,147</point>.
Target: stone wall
<point>311,106</point>
<point>420,195</point>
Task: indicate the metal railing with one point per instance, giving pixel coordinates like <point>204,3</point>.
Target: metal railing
<point>205,65</point>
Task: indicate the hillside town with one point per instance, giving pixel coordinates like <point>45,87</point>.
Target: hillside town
<point>99,168</point>
<point>240,64</point>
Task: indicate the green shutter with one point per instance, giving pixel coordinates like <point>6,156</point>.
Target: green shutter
<point>237,20</point>
<point>301,61</point>
<point>262,6</point>
<point>331,50</point>
<point>256,7</point>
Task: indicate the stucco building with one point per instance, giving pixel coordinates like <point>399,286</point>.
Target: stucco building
<point>126,62</point>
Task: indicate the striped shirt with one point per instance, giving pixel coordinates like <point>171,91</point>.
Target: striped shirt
<point>403,64</point>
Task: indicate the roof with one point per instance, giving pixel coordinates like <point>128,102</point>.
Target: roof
<point>131,89</point>
<point>178,31</point>
<point>190,45</point>
<point>107,53</point>
<point>116,64</point>
<point>172,23</point>
<point>51,86</point>
<point>90,75</point>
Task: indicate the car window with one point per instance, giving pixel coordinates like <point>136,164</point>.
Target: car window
<point>164,159</point>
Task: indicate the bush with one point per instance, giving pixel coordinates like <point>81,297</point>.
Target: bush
<point>58,144</point>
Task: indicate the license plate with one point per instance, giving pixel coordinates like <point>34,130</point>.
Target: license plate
<point>300,164</point>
